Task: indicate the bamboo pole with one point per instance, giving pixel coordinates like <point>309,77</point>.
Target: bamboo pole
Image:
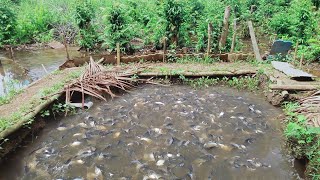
<point>234,35</point>
<point>224,34</point>
<point>209,39</point>
<point>254,42</point>
<point>118,54</point>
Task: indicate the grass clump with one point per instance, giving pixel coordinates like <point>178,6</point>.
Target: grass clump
<point>12,92</point>
<point>302,139</point>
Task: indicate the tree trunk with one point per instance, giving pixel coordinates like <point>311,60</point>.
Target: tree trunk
<point>225,30</point>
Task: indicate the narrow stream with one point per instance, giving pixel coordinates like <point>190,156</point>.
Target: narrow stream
<point>13,73</point>
<point>159,132</point>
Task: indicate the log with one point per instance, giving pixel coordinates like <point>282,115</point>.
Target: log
<point>225,30</point>
<point>294,87</point>
<point>201,74</point>
<point>254,42</point>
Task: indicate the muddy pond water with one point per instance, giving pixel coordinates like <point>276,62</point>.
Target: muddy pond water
<point>158,132</point>
<point>14,74</point>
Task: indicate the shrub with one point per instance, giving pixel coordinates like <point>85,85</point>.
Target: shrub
<point>84,16</point>
<point>174,13</point>
<point>7,25</point>
<point>118,30</point>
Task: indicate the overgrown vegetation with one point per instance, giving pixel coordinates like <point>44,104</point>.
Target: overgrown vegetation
<point>302,140</point>
<point>101,24</point>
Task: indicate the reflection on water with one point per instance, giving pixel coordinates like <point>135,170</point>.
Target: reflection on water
<point>32,61</point>
<point>160,133</point>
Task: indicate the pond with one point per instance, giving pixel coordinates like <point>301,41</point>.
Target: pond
<point>158,132</point>
<point>13,74</point>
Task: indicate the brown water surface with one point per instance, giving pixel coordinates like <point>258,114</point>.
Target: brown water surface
<point>13,73</point>
<point>160,133</point>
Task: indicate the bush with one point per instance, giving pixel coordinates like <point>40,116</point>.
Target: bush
<point>34,19</point>
<point>174,13</point>
<point>118,29</point>
<point>84,16</point>
<point>7,25</point>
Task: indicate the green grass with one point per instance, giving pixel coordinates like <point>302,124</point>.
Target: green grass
<point>15,117</point>
<point>12,92</point>
<point>302,140</point>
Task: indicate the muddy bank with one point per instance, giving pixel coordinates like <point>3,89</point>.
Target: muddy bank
<point>153,132</point>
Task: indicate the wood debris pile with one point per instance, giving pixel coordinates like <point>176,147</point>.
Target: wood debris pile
<point>97,81</point>
<point>310,108</point>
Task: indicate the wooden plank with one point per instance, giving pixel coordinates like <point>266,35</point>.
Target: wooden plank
<point>293,87</point>
<point>254,42</point>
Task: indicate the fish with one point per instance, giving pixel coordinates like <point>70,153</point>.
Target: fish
<point>145,139</point>
<point>221,114</point>
<point>76,143</point>
<point>210,145</point>
<point>77,134</point>
<point>160,162</point>
<point>253,163</point>
<point>169,155</point>
<point>249,140</point>
<point>258,131</point>
<point>116,135</point>
<point>152,175</point>
<point>169,141</point>
<point>79,161</point>
<point>149,157</point>
<point>157,130</point>
<point>139,165</point>
<point>62,128</point>
<point>86,152</point>
<point>83,125</point>
<point>238,146</point>
<point>160,103</point>
<point>96,175</point>
<point>92,124</point>
<point>258,111</point>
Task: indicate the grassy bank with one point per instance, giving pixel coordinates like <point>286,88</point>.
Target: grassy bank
<point>14,112</point>
<point>302,139</point>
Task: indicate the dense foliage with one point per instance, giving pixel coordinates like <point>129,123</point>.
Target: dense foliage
<point>103,23</point>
